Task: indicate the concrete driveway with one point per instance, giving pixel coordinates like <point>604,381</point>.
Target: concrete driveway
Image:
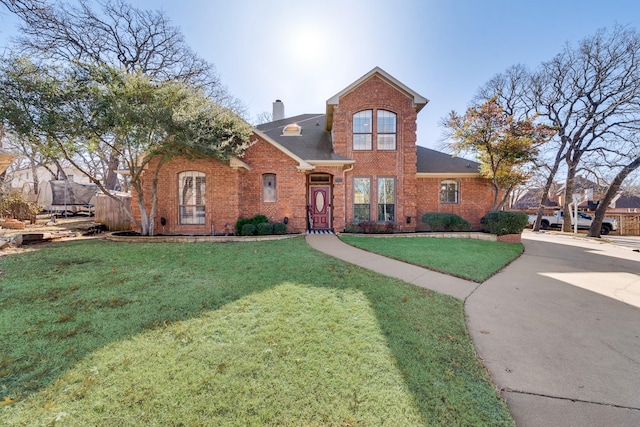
<point>559,330</point>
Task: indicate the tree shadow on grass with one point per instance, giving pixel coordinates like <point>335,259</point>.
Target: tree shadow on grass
<point>86,295</point>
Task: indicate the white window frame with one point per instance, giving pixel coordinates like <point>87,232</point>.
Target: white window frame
<point>362,136</point>
<point>192,198</point>
<point>269,187</point>
<point>386,135</point>
<point>448,188</point>
<point>386,193</point>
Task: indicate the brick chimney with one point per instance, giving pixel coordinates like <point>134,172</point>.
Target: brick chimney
<point>278,110</point>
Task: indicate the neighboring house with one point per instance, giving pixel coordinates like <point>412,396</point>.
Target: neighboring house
<point>74,194</point>
<point>6,158</point>
<point>359,161</point>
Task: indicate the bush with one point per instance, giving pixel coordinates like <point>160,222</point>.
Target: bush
<point>255,220</point>
<point>264,229</point>
<point>240,223</point>
<point>279,228</point>
<point>259,219</point>
<point>15,205</point>
<point>501,223</point>
<point>248,229</point>
<point>438,221</point>
<point>370,227</point>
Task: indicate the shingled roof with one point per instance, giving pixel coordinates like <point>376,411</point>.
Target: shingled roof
<point>436,162</point>
<point>313,143</point>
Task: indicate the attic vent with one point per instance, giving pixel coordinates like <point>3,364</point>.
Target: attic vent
<point>292,129</point>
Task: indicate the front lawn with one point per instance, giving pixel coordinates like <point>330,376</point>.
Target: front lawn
<point>261,333</point>
<point>471,259</point>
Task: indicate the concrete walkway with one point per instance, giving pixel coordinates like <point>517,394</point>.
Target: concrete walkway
<point>559,329</point>
<point>419,276</point>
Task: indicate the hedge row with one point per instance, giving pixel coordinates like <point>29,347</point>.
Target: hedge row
<point>259,225</point>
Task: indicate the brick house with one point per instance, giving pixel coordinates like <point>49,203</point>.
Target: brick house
<point>358,161</point>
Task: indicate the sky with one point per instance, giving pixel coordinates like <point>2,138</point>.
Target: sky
<point>304,52</point>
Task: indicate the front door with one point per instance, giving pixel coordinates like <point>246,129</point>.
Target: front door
<point>319,203</point>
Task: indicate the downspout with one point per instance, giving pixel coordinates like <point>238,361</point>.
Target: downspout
<point>344,181</point>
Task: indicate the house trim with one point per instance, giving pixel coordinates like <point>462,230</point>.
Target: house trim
<point>331,162</point>
<point>236,163</point>
<point>419,101</point>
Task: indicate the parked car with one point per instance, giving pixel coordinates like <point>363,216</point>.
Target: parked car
<point>584,222</point>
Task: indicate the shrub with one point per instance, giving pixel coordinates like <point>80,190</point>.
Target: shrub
<point>15,205</point>
<point>438,221</point>
<point>259,219</point>
<point>255,220</point>
<point>240,223</point>
<point>279,228</point>
<point>351,227</point>
<point>264,229</point>
<point>501,223</point>
<point>370,227</point>
<point>248,229</point>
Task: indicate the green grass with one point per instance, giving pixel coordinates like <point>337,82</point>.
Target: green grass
<point>261,333</point>
<point>470,259</point>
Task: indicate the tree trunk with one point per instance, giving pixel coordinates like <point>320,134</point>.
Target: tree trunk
<point>596,225</point>
<point>568,193</point>
<point>111,177</point>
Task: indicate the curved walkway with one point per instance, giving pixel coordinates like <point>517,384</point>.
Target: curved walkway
<point>559,328</point>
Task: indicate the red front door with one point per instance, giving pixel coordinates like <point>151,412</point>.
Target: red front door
<point>320,208</point>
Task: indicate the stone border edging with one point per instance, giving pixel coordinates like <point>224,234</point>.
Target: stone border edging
<point>196,239</point>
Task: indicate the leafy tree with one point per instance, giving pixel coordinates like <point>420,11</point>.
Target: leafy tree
<point>112,33</point>
<point>504,146</point>
<point>591,94</point>
<point>87,108</point>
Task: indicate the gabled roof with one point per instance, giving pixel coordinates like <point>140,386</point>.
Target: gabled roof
<point>419,101</point>
<point>313,145</point>
<point>432,162</point>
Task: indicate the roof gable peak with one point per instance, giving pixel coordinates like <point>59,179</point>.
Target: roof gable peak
<point>419,101</point>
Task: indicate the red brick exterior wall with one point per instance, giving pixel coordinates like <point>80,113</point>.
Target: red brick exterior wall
<point>235,193</point>
<point>222,195</point>
<point>290,187</point>
<point>475,199</point>
<point>377,94</point>
<point>231,193</point>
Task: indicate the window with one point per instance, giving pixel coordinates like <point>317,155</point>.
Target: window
<point>192,197</point>
<point>362,130</point>
<point>449,191</point>
<point>386,128</point>
<point>269,187</point>
<point>386,199</point>
<point>361,199</point>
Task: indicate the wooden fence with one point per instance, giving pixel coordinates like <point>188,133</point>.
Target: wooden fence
<point>628,224</point>
<point>111,213</point>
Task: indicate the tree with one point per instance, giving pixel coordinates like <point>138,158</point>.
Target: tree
<point>591,95</point>
<point>505,147</point>
<point>87,108</point>
<point>118,35</point>
<point>518,90</point>
<point>614,187</point>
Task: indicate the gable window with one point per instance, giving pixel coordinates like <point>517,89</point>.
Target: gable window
<point>361,199</point>
<point>449,191</point>
<point>362,128</point>
<point>269,187</point>
<point>192,197</point>
<point>386,129</point>
<point>386,199</point>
